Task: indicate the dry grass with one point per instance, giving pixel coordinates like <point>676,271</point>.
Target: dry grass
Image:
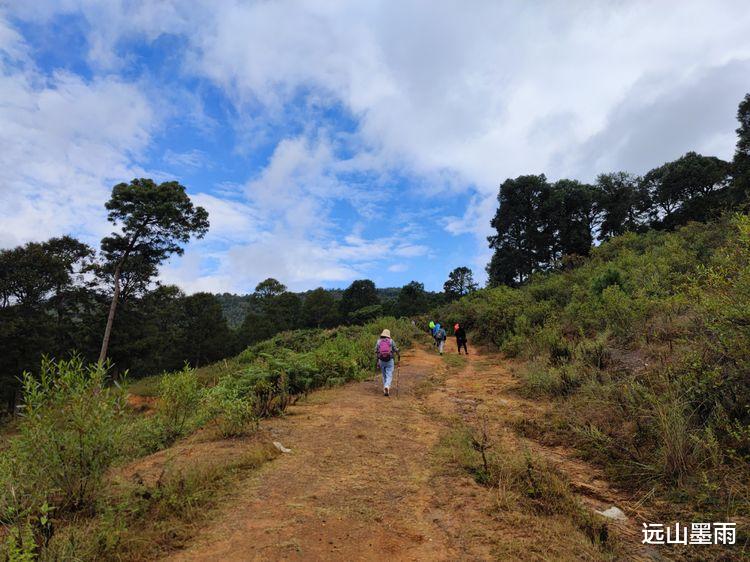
<point>527,496</point>
<point>143,520</point>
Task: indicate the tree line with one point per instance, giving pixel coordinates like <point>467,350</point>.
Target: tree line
<point>272,308</point>
<point>542,225</point>
<point>58,297</point>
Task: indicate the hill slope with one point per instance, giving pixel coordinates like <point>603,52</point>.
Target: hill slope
<point>644,351</point>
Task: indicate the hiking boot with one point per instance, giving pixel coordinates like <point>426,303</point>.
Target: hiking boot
<point>386,392</point>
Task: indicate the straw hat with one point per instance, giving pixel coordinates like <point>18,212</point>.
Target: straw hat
<point>386,334</point>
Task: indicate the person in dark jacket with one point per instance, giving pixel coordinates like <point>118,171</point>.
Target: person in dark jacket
<point>461,338</point>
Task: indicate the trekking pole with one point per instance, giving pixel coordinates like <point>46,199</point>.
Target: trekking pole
<point>398,378</point>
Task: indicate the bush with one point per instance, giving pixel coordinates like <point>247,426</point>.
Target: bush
<point>594,352</point>
<point>180,394</point>
<point>607,278</point>
<point>233,407</point>
<point>70,432</point>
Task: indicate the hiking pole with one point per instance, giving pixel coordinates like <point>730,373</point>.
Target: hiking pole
<point>398,378</point>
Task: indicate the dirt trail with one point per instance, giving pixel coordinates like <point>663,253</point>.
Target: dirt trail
<point>355,486</point>
<point>361,482</point>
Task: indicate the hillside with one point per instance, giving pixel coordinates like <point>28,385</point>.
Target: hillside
<point>643,352</point>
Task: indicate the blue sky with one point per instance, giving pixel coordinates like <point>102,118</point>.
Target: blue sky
<point>332,141</point>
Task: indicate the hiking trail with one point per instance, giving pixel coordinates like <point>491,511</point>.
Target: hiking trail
<point>362,483</point>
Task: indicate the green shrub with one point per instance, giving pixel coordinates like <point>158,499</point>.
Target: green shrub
<point>594,352</point>
<point>607,278</point>
<point>619,311</point>
<point>292,364</point>
<point>645,350</point>
<point>541,379</point>
<point>180,394</point>
<point>232,407</point>
<point>69,434</point>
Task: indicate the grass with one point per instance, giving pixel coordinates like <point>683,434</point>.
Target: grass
<point>643,350</point>
<point>454,363</point>
<point>139,521</point>
<point>208,375</point>
<point>76,428</point>
<point>526,493</point>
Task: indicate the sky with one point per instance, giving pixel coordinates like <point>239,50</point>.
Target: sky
<point>337,140</point>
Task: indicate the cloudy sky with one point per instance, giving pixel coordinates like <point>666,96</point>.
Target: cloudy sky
<point>332,140</point>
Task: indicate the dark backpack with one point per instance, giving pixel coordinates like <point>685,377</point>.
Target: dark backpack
<point>384,349</point>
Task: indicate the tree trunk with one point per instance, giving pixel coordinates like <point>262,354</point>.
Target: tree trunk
<point>111,317</point>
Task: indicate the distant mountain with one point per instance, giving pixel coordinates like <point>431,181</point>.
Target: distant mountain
<point>235,307</point>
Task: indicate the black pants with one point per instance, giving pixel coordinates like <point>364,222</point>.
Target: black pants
<point>462,343</point>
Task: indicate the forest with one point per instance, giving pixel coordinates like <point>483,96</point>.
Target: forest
<point>54,298</point>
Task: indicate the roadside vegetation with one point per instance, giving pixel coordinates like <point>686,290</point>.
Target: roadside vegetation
<point>59,490</point>
<point>526,491</point>
<point>645,350</point>
<point>642,342</point>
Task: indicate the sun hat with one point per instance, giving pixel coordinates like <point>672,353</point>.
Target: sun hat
<point>386,334</point>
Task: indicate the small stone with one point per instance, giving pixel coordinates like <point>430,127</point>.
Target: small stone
<point>613,513</point>
<point>281,447</point>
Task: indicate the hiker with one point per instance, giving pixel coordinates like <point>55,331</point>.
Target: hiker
<point>435,330</point>
<point>460,334</point>
<point>440,338</point>
<point>385,349</point>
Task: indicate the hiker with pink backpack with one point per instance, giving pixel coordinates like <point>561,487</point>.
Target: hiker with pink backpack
<point>386,351</point>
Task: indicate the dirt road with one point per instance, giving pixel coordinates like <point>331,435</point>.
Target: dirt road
<point>363,483</point>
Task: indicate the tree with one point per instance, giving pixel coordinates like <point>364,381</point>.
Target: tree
<point>412,299</point>
<point>524,238</point>
<point>572,214</point>
<point>693,187</point>
<point>43,299</point>
<point>365,314</point>
<point>624,204</point>
<point>255,327</point>
<point>460,282</point>
<point>149,332</point>
<point>741,164</point>
<point>206,335</point>
<point>284,312</point>
<point>359,294</point>
<point>269,288</point>
<point>319,309</point>
<point>154,220</point>
<point>29,274</point>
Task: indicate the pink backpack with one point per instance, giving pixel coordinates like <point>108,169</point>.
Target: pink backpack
<point>384,349</point>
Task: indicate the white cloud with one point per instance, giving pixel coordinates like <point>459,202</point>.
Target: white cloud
<point>488,92</point>
<point>230,220</point>
<point>191,159</point>
<point>468,97</point>
<point>457,97</point>
<point>61,149</point>
<point>279,224</point>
